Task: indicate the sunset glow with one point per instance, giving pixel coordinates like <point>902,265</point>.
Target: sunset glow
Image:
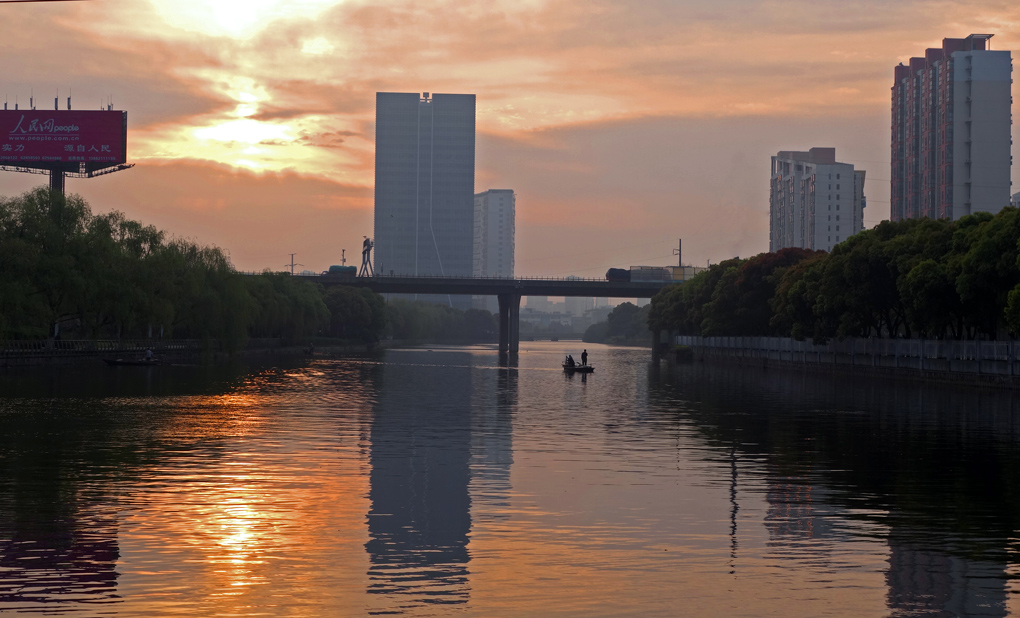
<point>665,112</point>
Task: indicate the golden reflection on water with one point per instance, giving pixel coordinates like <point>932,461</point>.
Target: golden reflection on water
<point>245,505</point>
<point>442,483</point>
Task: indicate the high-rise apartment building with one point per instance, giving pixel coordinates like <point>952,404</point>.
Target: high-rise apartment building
<point>494,225</point>
<point>424,184</point>
<point>815,202</point>
<point>951,131</point>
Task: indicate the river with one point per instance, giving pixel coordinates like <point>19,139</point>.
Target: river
<point>435,482</point>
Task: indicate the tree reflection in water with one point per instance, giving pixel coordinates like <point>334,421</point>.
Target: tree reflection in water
<point>934,468</point>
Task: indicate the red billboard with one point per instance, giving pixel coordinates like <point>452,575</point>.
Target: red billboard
<point>63,139</point>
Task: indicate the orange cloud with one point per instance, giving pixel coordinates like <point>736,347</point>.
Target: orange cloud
<point>605,116</point>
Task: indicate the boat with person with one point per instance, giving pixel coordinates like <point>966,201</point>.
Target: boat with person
<point>575,368</point>
<point>572,366</point>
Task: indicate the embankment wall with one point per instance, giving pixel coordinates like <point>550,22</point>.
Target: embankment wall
<point>991,363</point>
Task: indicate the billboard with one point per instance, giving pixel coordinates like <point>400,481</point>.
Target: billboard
<point>63,139</point>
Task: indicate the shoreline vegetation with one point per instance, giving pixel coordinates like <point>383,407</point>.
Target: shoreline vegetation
<point>917,278</point>
<point>67,273</point>
<point>626,324</point>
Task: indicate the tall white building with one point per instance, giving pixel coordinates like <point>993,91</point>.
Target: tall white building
<point>494,225</point>
<point>815,202</point>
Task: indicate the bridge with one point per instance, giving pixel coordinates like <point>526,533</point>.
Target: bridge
<point>508,291</point>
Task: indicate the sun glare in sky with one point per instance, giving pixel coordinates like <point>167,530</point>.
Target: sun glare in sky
<point>235,18</point>
<point>660,111</point>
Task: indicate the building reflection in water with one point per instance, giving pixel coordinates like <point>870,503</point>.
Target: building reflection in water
<point>420,513</point>
<point>437,448</point>
<point>930,582</point>
<point>494,400</point>
<point>934,474</point>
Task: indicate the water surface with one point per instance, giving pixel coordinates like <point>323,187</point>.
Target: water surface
<point>435,482</point>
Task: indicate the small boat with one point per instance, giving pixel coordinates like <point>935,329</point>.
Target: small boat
<point>140,362</point>
<point>578,368</point>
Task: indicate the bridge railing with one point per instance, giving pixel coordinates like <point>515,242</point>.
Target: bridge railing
<point>492,278</point>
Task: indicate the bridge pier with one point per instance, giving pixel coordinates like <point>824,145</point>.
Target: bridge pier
<point>509,322</point>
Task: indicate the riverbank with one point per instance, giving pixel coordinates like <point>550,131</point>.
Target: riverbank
<point>93,352</point>
<point>979,363</point>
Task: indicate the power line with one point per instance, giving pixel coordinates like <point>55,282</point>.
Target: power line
<point>599,252</point>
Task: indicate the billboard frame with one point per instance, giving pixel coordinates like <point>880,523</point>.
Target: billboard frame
<point>59,170</point>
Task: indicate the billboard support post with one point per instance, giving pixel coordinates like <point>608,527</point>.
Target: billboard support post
<point>57,181</point>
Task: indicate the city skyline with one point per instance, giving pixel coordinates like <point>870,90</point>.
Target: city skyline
<point>252,128</point>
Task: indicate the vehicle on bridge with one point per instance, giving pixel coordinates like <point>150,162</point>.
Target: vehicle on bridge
<point>668,274</point>
<point>617,274</point>
<point>343,271</point>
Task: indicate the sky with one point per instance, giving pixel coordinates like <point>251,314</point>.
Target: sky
<point>621,126</point>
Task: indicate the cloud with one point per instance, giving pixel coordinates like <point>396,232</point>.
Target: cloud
<point>611,185</point>
<point>258,218</point>
<point>616,122</point>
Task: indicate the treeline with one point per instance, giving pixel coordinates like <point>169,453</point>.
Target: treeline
<point>420,321</point>
<point>68,272</point>
<point>626,324</point>
<point>913,278</point>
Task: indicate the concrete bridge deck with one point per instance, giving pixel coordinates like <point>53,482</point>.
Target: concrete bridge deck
<point>508,291</point>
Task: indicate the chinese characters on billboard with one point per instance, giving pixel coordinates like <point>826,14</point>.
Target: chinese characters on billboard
<point>62,139</point>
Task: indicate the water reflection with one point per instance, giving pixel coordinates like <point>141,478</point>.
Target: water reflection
<point>927,582</point>
<point>58,534</point>
<point>420,514</point>
<point>425,483</point>
<point>931,469</point>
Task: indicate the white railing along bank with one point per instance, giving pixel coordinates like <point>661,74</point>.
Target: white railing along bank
<point>978,357</point>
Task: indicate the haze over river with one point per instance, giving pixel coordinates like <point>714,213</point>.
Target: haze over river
<point>439,482</point>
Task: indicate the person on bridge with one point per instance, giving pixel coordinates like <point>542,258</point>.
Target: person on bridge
<point>584,357</point>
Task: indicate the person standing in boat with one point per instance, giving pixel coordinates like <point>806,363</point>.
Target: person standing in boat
<point>584,357</point>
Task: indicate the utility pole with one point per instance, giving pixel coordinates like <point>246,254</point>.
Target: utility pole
<point>292,264</point>
<point>677,252</point>
<point>343,257</point>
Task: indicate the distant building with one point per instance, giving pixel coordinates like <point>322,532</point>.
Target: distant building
<point>494,225</point>
<point>424,185</point>
<point>815,202</point>
<point>578,305</point>
<point>539,303</point>
<point>951,138</point>
<point>1015,200</point>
